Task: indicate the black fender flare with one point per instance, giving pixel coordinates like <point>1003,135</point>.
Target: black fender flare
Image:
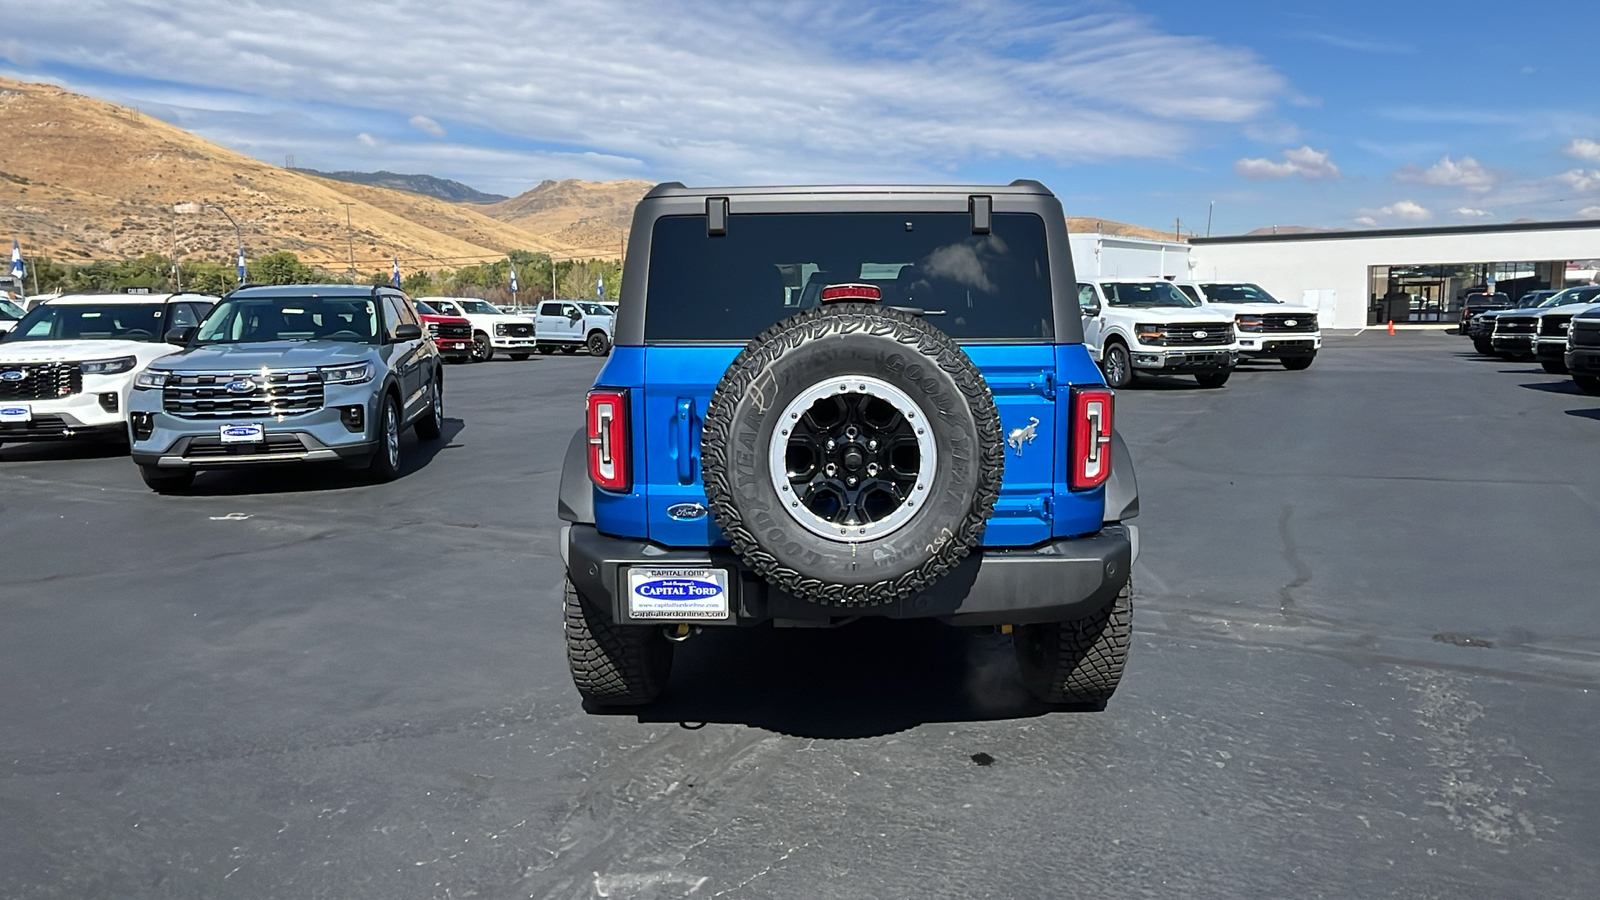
<point>1122,488</point>
<point>576,500</point>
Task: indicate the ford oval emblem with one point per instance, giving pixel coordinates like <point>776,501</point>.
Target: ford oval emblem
<point>677,589</point>
<point>13,375</point>
<point>1291,322</point>
<point>242,386</point>
<point>1201,334</point>
<point>686,512</point>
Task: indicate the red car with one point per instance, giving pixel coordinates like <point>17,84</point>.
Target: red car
<point>451,334</point>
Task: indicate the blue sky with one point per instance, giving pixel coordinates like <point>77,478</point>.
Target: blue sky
<point>1356,115</point>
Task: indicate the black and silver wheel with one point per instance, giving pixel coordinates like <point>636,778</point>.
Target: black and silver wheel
<point>598,344</point>
<point>875,455</point>
<point>166,482</point>
<point>431,426</point>
<point>1116,365</point>
<point>385,465</point>
<point>1297,363</point>
<point>482,347</point>
<point>613,665</point>
<point>1210,380</point>
<point>1078,662</point>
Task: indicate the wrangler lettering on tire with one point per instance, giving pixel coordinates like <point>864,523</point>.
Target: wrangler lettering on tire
<point>852,455</point>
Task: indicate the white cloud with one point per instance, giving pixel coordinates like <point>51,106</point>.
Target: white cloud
<point>425,124</point>
<point>367,140</point>
<point>768,89</point>
<point>1583,148</point>
<point>1400,211</point>
<point>1467,212</point>
<point>1466,173</point>
<point>1580,181</point>
<point>1590,212</point>
<point>1309,164</point>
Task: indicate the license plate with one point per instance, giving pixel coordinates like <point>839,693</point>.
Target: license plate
<point>677,594</point>
<point>16,412</point>
<point>243,434</point>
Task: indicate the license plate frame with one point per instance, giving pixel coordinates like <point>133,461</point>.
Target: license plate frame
<point>678,593</point>
<point>242,433</point>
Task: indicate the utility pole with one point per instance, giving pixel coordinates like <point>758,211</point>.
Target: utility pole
<point>238,235</point>
<point>1209,210</point>
<point>350,236</point>
<point>1177,229</point>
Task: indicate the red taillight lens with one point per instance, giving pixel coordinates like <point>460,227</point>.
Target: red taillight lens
<point>835,293</point>
<point>608,440</point>
<point>1091,438</point>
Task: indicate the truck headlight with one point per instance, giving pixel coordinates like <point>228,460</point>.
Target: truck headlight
<point>1248,322</point>
<point>357,373</point>
<point>1154,335</point>
<point>108,366</point>
<point>150,379</point>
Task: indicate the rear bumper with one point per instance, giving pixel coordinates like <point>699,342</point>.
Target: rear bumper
<point>1057,581</point>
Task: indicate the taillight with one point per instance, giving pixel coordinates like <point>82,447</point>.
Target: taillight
<point>1091,438</point>
<point>608,440</point>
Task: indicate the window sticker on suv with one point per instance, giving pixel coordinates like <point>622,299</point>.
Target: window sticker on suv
<point>728,288</point>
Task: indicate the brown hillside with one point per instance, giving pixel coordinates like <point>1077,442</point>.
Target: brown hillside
<point>586,215</point>
<point>1087,225</point>
<point>82,179</point>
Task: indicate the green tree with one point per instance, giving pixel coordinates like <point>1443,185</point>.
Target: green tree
<point>282,267</point>
<point>418,284</point>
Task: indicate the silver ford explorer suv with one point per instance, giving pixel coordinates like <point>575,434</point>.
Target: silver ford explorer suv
<point>293,374</point>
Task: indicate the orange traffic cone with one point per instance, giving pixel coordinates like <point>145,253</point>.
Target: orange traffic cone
<point>1391,326</point>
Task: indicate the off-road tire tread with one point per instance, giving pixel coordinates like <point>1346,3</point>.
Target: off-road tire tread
<point>613,665</point>
<point>817,324</point>
<point>1090,654</point>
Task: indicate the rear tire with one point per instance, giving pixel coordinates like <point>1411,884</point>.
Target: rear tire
<point>1211,380</point>
<point>431,425</point>
<point>1078,662</point>
<point>1298,363</point>
<point>1589,384</point>
<point>1554,366</point>
<point>385,465</point>
<point>1116,365</point>
<point>166,482</point>
<point>598,344</point>
<point>482,347</point>
<point>613,665</point>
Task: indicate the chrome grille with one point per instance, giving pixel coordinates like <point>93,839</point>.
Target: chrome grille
<point>40,381</point>
<point>1183,333</point>
<point>1554,325</point>
<point>1278,323</point>
<point>514,329</point>
<point>1515,325</point>
<point>206,395</point>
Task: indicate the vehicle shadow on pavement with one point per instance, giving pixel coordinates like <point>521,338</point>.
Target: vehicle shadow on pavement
<point>1585,413</point>
<point>871,678</point>
<point>1564,386</point>
<point>1165,383</point>
<point>414,455</point>
<point>61,450</point>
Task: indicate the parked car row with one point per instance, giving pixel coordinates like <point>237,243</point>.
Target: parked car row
<point>1559,329</point>
<point>263,376</point>
<point>565,325</point>
<point>1152,326</point>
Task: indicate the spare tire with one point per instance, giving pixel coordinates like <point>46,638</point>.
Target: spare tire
<point>852,455</point>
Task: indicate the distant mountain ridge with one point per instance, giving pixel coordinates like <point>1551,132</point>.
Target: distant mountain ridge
<point>426,185</point>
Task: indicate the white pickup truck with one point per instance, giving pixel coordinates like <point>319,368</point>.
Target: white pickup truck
<point>1147,326</point>
<point>570,324</point>
<point>1268,327</point>
<point>492,329</point>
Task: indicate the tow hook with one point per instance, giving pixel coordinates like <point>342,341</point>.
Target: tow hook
<point>680,632</point>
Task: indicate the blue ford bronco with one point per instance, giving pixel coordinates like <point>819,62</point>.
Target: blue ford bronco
<point>835,402</point>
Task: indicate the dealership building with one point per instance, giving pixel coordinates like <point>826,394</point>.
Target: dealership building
<point>1360,278</point>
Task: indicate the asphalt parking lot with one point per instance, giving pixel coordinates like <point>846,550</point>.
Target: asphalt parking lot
<point>1366,663</point>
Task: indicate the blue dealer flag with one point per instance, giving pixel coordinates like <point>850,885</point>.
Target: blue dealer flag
<point>17,268</point>
<point>513,278</point>
<point>600,287</point>
<point>397,271</point>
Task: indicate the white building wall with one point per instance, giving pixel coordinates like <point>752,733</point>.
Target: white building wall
<point>1304,270</point>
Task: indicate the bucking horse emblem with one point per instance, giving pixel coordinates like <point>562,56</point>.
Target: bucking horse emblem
<point>1020,436</point>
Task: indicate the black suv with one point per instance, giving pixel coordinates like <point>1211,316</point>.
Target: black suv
<point>835,402</point>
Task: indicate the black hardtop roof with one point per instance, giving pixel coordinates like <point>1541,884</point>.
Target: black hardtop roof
<point>678,189</point>
<point>309,290</point>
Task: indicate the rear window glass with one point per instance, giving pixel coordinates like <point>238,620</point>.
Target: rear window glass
<point>770,266</point>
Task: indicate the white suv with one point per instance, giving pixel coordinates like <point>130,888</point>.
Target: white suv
<point>491,329</point>
<point>1147,326</point>
<point>1268,327</point>
<point>67,367</point>
<point>570,324</point>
